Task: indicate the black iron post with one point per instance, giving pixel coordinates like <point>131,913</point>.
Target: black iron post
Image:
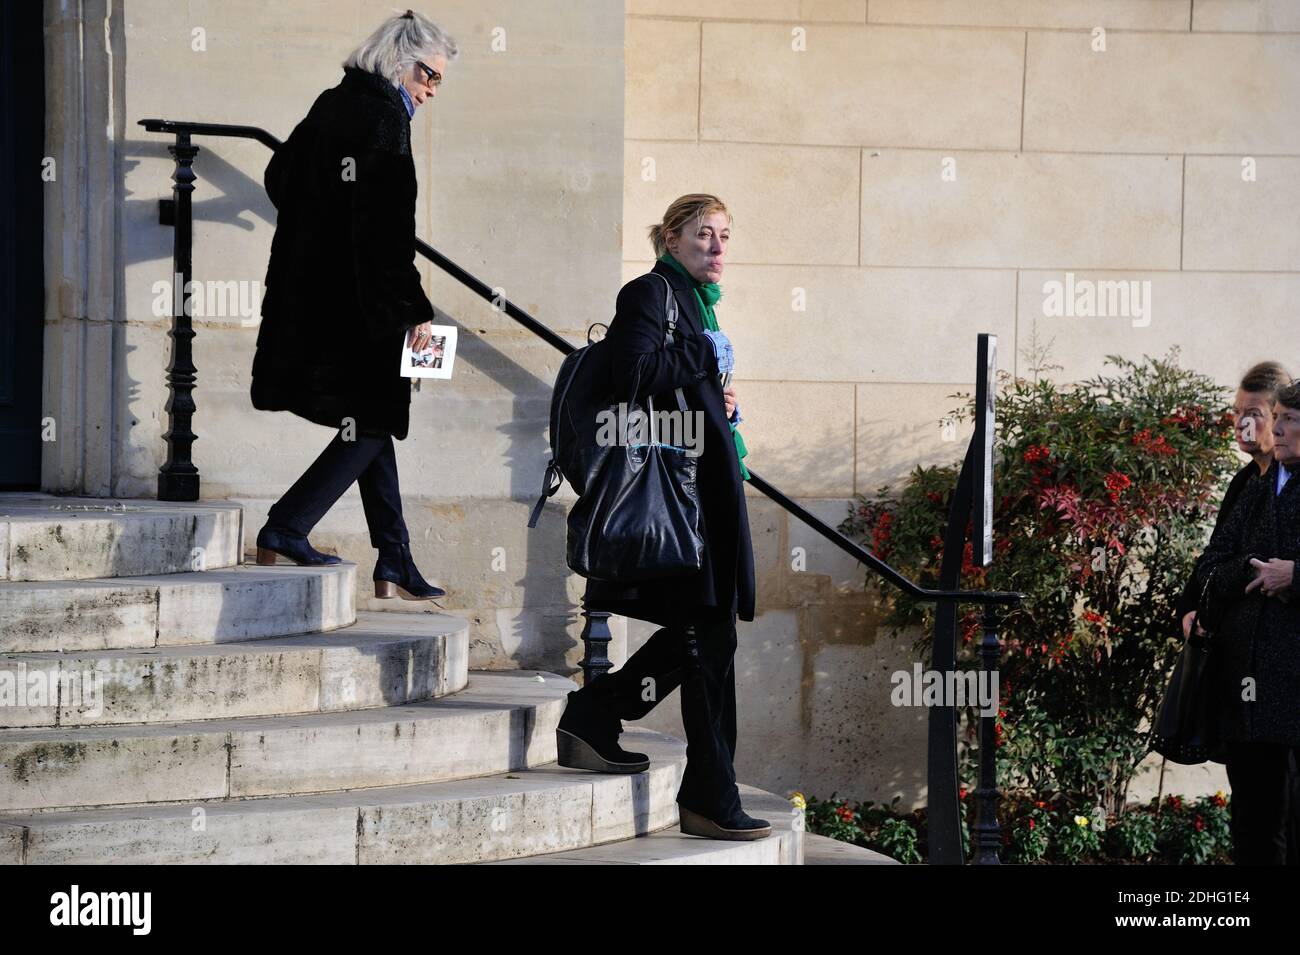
<point>178,479</point>
<point>595,644</point>
<point>988,837</point>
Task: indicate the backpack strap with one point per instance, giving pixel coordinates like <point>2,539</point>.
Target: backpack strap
<point>551,482</point>
<point>552,478</point>
<point>560,408</point>
<point>670,310</point>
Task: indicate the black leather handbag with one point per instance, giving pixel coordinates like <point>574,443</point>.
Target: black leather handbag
<point>1185,728</point>
<point>638,516</point>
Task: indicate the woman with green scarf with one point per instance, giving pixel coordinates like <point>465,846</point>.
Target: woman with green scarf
<point>696,645</point>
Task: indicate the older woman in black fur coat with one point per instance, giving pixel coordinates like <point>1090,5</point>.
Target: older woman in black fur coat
<point>342,291</point>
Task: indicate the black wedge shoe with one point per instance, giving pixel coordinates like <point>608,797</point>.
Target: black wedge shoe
<point>395,573</point>
<point>740,827</point>
<point>587,738</point>
<point>273,542</point>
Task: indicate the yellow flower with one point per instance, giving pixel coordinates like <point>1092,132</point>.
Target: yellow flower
<point>1220,794</point>
<point>1080,821</point>
<point>798,801</point>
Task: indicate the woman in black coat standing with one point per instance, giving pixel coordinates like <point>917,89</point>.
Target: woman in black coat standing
<point>696,645</point>
<point>342,292</point>
<point>1254,613</point>
<point>1252,417</point>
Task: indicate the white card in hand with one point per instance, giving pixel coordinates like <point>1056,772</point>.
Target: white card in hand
<point>434,361</point>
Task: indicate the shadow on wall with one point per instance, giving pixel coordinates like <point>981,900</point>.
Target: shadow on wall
<point>542,584</point>
<point>239,197</point>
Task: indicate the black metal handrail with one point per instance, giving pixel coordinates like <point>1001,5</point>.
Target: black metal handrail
<point>483,290</point>
<point>212,129</point>
<point>178,480</point>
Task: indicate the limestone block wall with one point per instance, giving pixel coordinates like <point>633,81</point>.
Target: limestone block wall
<point>905,174</point>
<point>519,166</point>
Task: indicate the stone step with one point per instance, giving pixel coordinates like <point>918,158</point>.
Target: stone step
<point>502,816</point>
<point>672,847</point>
<point>823,850</point>
<point>180,609</point>
<point>385,659</point>
<point>46,537</point>
<point>504,720</point>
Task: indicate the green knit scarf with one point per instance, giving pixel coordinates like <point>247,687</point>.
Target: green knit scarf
<point>707,295</point>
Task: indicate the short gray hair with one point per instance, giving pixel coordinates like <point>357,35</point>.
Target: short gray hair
<point>1289,395</point>
<point>402,39</point>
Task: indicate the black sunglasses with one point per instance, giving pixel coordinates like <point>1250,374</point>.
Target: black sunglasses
<point>433,75</point>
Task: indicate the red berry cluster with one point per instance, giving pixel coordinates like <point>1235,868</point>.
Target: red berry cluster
<point>1158,445</point>
<point>1116,482</point>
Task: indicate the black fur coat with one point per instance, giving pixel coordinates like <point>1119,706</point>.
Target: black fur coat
<point>341,286</point>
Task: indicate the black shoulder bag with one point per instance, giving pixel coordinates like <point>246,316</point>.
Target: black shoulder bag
<point>638,516</point>
<point>1185,729</point>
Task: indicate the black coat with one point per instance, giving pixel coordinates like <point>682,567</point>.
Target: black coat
<point>1256,636</point>
<point>1188,599</point>
<point>342,287</point>
<point>727,578</point>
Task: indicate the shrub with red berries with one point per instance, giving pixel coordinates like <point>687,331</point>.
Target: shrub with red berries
<point>1105,492</point>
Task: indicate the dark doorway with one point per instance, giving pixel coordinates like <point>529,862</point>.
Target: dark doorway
<point>22,241</point>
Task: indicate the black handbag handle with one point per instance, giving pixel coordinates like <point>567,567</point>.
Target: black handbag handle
<point>1202,607</point>
<point>552,478</point>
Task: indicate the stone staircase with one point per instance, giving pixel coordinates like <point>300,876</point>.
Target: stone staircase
<point>169,703</point>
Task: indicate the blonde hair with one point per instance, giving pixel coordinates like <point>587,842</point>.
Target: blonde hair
<point>695,206</point>
<point>402,39</point>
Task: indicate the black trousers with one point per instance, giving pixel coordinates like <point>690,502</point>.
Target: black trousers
<point>1263,803</point>
<point>696,654</point>
<point>367,458</point>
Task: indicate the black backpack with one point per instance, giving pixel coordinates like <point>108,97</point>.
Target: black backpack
<point>584,387</point>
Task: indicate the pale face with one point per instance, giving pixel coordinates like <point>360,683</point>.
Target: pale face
<point>1252,415</point>
<point>417,82</point>
<point>702,250</point>
<point>1286,436</point>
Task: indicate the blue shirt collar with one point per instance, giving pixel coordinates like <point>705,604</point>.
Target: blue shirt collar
<point>406,98</point>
